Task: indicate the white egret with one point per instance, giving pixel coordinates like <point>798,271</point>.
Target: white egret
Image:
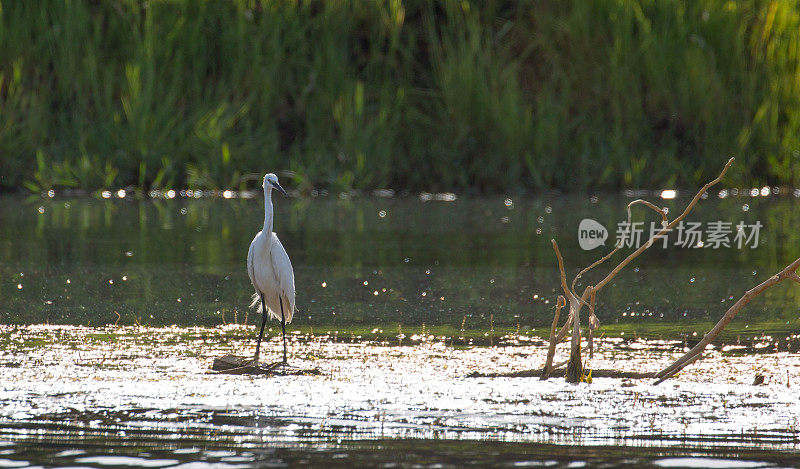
<point>270,271</point>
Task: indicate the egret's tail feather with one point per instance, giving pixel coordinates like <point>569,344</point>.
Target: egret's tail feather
<point>256,303</point>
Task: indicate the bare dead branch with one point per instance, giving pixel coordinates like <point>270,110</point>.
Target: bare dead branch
<point>594,323</point>
<point>688,362</point>
<point>618,245</point>
<point>790,272</point>
<point>596,263</point>
<point>567,291</point>
<point>564,329</point>
<point>574,367</point>
<point>659,210</point>
<point>576,303</point>
<point>663,231</point>
<point>551,351</point>
<point>794,276</point>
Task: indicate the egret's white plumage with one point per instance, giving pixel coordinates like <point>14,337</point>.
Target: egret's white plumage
<point>271,274</point>
<point>270,269</point>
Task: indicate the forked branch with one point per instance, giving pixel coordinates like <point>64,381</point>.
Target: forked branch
<point>661,211</point>
<point>662,232</point>
<point>576,303</point>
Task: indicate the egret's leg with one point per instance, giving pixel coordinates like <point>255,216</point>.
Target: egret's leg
<point>263,323</point>
<point>283,327</point>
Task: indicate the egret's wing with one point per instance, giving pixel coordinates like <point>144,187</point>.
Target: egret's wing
<point>251,272</point>
<point>282,267</point>
<point>250,261</point>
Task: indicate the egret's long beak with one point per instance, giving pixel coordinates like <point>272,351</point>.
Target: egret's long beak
<point>278,186</point>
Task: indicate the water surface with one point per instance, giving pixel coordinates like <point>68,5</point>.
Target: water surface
<point>112,310</point>
<point>117,393</point>
<point>371,262</point>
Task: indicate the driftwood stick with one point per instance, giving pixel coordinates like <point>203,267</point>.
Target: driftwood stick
<point>235,365</point>
<point>551,351</point>
<point>564,329</point>
<point>574,367</point>
<point>790,272</point>
<point>594,323</point>
<point>567,291</point>
<point>686,363</point>
<point>663,230</point>
<point>795,277</point>
<point>603,373</point>
<point>661,211</point>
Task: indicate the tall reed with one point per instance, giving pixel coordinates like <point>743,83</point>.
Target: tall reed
<point>416,95</point>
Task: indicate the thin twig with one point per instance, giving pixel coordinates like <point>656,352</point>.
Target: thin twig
<point>594,323</point>
<point>559,365</point>
<point>618,245</point>
<point>596,263</point>
<point>564,329</point>
<point>659,210</point>
<point>567,291</point>
<point>551,351</point>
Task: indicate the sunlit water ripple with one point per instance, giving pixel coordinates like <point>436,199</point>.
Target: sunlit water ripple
<point>152,386</point>
<point>394,294</point>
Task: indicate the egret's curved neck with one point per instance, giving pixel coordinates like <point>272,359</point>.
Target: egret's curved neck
<point>267,210</point>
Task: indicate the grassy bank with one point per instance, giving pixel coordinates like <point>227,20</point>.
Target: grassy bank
<point>409,95</point>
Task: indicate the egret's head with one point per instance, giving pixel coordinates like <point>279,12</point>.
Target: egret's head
<point>271,181</point>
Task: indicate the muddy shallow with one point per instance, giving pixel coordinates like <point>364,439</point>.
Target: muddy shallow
<point>59,383</point>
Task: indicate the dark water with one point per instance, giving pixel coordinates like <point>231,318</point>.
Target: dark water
<point>366,263</point>
<point>144,452</point>
<point>378,268</point>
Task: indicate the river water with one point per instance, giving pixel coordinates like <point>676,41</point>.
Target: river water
<point>114,308</point>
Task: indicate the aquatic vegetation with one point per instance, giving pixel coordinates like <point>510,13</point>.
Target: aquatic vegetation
<point>411,95</point>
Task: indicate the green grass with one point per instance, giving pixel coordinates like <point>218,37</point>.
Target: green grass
<point>418,95</point>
